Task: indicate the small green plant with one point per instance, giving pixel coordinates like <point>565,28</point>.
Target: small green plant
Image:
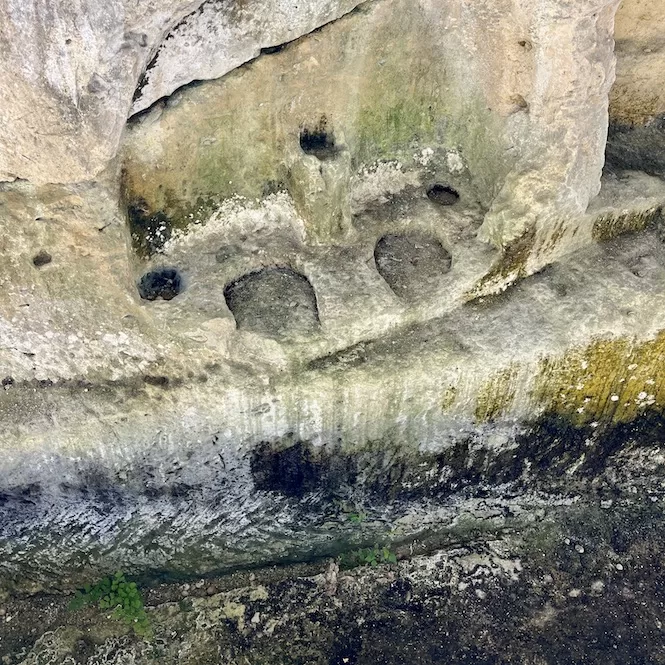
<point>351,511</point>
<point>121,597</point>
<point>357,518</point>
<point>368,556</point>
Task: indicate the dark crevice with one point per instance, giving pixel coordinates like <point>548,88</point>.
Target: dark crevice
<point>637,148</point>
<point>41,259</point>
<point>143,81</point>
<point>271,50</point>
<point>442,194</point>
<point>319,140</point>
<point>164,283</point>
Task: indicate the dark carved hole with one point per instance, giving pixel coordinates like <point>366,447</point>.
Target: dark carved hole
<point>412,264</point>
<point>276,302</point>
<point>442,194</point>
<point>164,283</point>
<point>41,259</point>
<point>150,230</point>
<point>319,141</point>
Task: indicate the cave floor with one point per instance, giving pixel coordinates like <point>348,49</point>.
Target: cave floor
<point>585,585</point>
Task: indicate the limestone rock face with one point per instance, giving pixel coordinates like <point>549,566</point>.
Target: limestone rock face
<point>321,194</point>
<point>68,74</point>
<point>222,35</point>
<point>368,88</point>
<point>539,71</point>
<point>573,70</point>
<point>297,331</point>
<point>638,96</point>
<point>70,70</point>
<point>637,100</point>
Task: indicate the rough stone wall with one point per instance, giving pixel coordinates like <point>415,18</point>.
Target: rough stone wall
<point>329,340</point>
<point>381,90</point>
<point>70,71</point>
<point>559,173</point>
<point>73,73</point>
<point>637,101</point>
<point>638,96</point>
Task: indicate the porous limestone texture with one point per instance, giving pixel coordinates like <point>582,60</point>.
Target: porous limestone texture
<point>374,87</point>
<point>156,436</point>
<point>572,69</point>
<point>522,123</point>
<point>70,70</point>
<point>282,371</point>
<point>532,79</point>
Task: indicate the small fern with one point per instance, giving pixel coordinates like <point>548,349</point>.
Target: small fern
<point>121,597</point>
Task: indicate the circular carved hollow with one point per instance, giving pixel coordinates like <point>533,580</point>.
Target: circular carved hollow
<point>276,302</point>
<point>411,263</point>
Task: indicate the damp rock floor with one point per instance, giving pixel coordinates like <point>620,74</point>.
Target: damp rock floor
<point>584,585</point>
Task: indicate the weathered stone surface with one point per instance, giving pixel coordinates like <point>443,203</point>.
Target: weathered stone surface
<point>174,441</point>
<point>638,96</point>
<point>527,115</point>
<point>321,191</point>
<point>221,36</point>
<point>582,584</point>
<point>241,135</point>
<point>637,100</point>
<point>71,93</point>
<point>182,433</point>
<point>572,71</point>
<point>68,75</point>
<point>70,71</point>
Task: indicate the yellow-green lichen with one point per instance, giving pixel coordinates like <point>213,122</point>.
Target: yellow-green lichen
<point>496,395</point>
<point>610,225</point>
<point>449,397</point>
<point>510,267</point>
<point>611,380</point>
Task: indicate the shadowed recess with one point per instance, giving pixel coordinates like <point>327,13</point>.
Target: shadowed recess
<point>149,230</point>
<point>442,194</point>
<point>41,259</point>
<point>319,141</point>
<point>412,264</point>
<point>637,148</point>
<point>276,302</point>
<point>164,283</point>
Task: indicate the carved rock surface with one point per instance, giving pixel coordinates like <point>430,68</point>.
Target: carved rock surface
<point>73,73</point>
<point>573,70</point>
<point>222,35</point>
<point>70,70</point>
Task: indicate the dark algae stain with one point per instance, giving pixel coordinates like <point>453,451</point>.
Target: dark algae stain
<point>298,469</point>
<point>149,229</point>
<point>551,453</point>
